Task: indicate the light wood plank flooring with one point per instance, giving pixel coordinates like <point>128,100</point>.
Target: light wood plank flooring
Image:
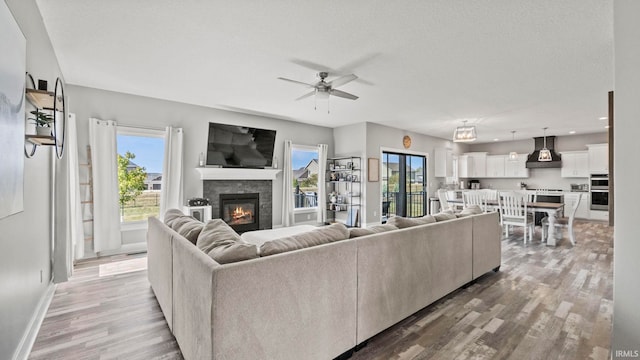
<point>545,303</point>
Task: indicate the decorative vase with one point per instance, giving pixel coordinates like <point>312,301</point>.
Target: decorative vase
<point>333,199</point>
<point>43,130</point>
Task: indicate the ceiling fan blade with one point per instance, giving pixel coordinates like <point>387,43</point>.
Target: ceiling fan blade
<point>342,80</point>
<point>343,94</point>
<point>296,82</point>
<point>306,95</point>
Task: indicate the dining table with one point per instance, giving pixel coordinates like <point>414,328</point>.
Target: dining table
<point>551,209</point>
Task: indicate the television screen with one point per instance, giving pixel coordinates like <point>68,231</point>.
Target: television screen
<point>240,146</point>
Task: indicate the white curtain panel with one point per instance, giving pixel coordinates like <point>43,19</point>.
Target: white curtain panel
<point>288,218</point>
<point>75,207</point>
<point>69,234</point>
<point>106,207</point>
<point>322,188</point>
<point>171,193</point>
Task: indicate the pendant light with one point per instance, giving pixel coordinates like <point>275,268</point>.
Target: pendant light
<point>465,133</point>
<point>545,154</point>
<point>513,156</point>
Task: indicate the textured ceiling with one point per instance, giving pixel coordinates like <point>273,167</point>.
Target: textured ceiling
<point>424,65</point>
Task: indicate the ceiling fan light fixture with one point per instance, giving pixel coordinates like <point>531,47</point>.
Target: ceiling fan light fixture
<point>545,154</point>
<point>465,133</point>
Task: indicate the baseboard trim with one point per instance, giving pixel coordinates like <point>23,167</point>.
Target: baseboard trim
<point>132,248</point>
<point>29,336</point>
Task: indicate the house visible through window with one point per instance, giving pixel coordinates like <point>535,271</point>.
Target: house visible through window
<point>304,162</point>
<point>140,159</point>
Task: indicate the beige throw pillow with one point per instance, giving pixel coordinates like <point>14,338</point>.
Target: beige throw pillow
<point>470,210</point>
<point>444,216</point>
<point>170,215</point>
<point>356,232</point>
<point>223,244</point>
<point>323,235</point>
<point>403,222</point>
<point>181,220</point>
<point>190,230</point>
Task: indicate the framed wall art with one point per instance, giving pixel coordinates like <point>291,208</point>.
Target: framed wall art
<point>12,121</point>
<point>373,169</point>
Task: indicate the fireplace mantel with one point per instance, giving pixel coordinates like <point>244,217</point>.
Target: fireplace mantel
<point>237,173</point>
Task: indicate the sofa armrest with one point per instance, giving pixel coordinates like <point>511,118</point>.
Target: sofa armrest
<point>487,243</point>
<point>159,265</point>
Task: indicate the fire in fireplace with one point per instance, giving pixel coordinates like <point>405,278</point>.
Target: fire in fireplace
<point>240,211</point>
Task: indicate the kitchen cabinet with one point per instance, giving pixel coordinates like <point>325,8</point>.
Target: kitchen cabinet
<point>516,168</point>
<point>443,161</point>
<point>575,164</point>
<point>570,199</point>
<point>473,165</point>
<point>598,158</point>
<point>496,166</point>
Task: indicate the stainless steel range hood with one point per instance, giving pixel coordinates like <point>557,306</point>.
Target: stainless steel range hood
<point>532,159</point>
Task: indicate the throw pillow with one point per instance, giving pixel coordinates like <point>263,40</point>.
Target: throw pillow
<point>323,235</point>
<point>222,243</point>
<point>181,220</point>
<point>190,230</point>
<point>444,216</point>
<point>403,222</point>
<point>170,215</point>
<point>356,232</point>
<point>470,210</point>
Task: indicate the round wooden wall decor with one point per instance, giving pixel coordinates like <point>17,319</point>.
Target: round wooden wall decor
<point>406,141</point>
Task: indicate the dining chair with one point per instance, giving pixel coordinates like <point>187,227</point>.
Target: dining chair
<point>513,212</point>
<point>475,197</point>
<point>444,204</point>
<point>563,222</point>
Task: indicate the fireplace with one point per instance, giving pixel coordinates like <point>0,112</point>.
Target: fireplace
<point>241,211</point>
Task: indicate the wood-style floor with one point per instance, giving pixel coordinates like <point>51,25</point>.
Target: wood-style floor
<point>545,303</point>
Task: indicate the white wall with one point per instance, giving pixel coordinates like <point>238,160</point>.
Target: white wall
<point>25,238</point>
<point>626,252</point>
<point>539,178</point>
<point>155,113</point>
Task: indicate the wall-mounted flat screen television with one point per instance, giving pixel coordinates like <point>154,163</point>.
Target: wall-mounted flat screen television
<point>240,146</point>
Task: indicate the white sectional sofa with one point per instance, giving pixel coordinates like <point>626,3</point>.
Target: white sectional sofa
<point>318,302</point>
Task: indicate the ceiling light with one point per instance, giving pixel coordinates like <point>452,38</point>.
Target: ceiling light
<point>496,139</point>
<point>572,132</point>
<point>513,156</point>
<point>545,154</point>
<point>465,133</point>
<point>604,118</point>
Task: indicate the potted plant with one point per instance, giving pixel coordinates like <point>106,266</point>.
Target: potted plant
<point>43,122</point>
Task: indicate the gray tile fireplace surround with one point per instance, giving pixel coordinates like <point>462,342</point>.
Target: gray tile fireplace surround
<point>212,189</point>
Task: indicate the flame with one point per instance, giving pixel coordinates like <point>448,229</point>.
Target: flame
<point>240,213</point>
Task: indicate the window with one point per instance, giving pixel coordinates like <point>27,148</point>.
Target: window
<point>304,164</point>
<point>140,159</point>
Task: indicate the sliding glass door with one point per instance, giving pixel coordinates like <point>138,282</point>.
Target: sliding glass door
<point>403,185</point>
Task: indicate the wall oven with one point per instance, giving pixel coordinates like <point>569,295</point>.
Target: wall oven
<point>600,192</point>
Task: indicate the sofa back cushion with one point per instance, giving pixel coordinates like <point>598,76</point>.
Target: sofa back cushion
<point>323,235</point>
<point>470,210</point>
<point>223,244</point>
<point>190,230</point>
<point>171,215</point>
<point>445,215</point>
<point>403,222</point>
<point>356,232</point>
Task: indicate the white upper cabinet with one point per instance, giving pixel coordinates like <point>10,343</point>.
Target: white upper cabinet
<point>598,158</point>
<point>496,166</point>
<point>443,162</point>
<point>575,164</point>
<point>474,165</point>
<point>516,168</point>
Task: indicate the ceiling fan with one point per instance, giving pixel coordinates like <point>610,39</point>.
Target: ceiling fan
<point>323,89</point>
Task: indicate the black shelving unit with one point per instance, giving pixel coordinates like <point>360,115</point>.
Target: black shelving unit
<point>344,190</point>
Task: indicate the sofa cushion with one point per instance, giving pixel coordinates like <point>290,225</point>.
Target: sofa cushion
<point>222,243</point>
<point>356,232</point>
<point>445,215</point>
<point>181,220</point>
<point>190,230</point>
<point>403,222</point>
<point>470,210</point>
<point>323,235</point>
<point>170,215</point>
